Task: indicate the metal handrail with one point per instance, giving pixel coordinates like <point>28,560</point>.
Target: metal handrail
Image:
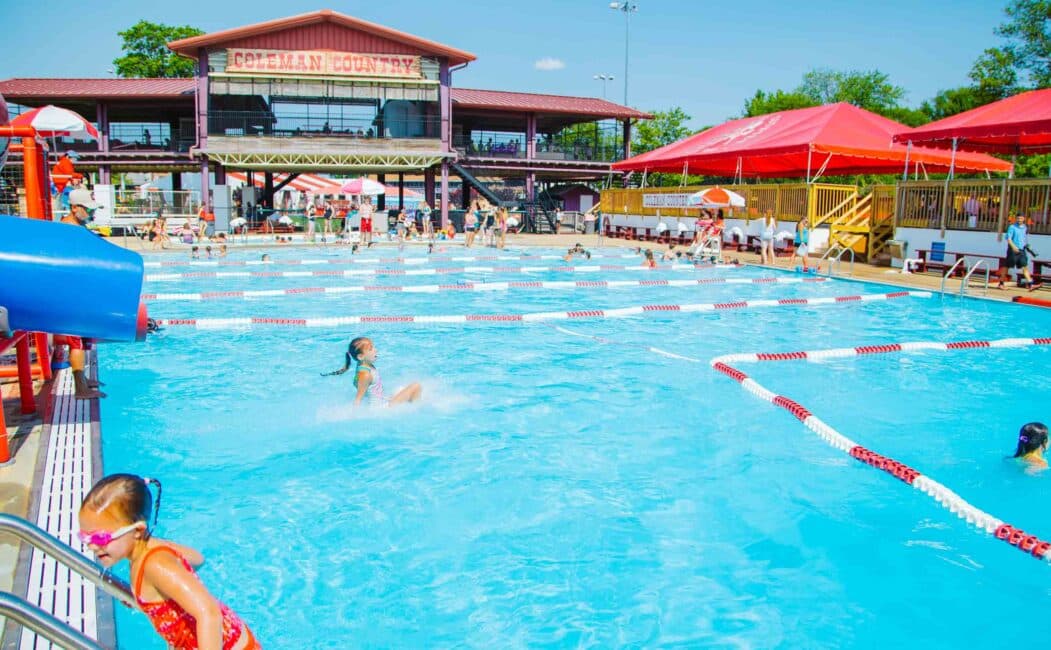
<point>839,260</point>
<point>44,624</point>
<point>68,557</point>
<point>970,272</point>
<point>948,273</point>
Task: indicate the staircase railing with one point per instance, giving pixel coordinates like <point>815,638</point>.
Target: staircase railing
<point>834,257</point>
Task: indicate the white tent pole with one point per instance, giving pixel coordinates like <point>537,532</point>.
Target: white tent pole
<point>644,172</point>
<point>952,161</point>
<point>1011,174</point>
<point>682,179</point>
<point>908,150</point>
<point>809,153</point>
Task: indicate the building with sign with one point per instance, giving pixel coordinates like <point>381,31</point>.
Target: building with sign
<point>329,93</point>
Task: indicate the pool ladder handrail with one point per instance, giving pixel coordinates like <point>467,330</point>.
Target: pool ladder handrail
<point>838,259</point>
<point>44,624</point>
<point>967,276</point>
<point>37,619</point>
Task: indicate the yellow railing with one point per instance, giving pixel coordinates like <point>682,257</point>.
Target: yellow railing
<point>977,205</point>
<point>790,202</point>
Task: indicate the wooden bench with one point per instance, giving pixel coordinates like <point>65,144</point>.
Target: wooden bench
<point>944,265</point>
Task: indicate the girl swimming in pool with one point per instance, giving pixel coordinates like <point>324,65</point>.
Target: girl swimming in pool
<point>1032,443</point>
<point>367,378</point>
<point>115,525</point>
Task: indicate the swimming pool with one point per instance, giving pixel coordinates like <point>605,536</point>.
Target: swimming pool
<point>562,491</point>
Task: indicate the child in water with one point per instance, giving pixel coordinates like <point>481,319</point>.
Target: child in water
<point>649,262</point>
<point>367,377</point>
<point>114,524</point>
<point>1032,443</point>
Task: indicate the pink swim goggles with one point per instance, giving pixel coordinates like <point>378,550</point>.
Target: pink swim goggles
<point>104,537</point>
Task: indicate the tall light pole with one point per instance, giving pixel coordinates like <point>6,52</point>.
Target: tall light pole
<point>604,78</point>
<point>628,8</point>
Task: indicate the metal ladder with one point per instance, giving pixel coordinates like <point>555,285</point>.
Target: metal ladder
<point>40,621</point>
<point>838,259</point>
<point>967,276</point>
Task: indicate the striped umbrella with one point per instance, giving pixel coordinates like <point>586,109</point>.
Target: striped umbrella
<point>52,122</point>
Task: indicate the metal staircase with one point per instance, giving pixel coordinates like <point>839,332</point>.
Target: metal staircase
<point>478,185</point>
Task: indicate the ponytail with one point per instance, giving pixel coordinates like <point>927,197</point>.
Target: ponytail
<point>157,502</point>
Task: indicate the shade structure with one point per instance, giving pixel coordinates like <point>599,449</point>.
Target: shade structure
<point>1020,124</point>
<point>830,140</point>
<point>363,186</point>
<point>715,197</point>
<point>54,122</point>
<point>311,183</point>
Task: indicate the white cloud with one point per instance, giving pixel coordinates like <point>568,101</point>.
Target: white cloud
<point>549,63</point>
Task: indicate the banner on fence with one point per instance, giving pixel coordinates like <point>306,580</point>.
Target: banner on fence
<point>664,200</point>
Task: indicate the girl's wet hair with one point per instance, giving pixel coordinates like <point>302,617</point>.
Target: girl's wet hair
<point>128,497</point>
<point>1033,436</point>
<point>351,355</point>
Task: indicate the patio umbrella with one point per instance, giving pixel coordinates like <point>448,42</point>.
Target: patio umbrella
<point>715,197</point>
<point>364,186</point>
<point>52,121</point>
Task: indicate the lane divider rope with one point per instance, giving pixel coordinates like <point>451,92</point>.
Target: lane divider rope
<point>376,260</point>
<point>983,521</point>
<point>168,277</point>
<point>472,286</point>
<point>338,321</point>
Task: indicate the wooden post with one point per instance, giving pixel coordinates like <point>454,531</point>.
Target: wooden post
<point>1003,211</point>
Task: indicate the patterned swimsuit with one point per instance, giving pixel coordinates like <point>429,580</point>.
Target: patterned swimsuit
<point>177,627</point>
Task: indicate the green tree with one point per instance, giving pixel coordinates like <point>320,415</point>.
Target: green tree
<point>870,89</point>
<point>950,102</point>
<point>994,75</point>
<point>1028,32</point>
<point>146,53</point>
<point>763,103</point>
<point>665,127</point>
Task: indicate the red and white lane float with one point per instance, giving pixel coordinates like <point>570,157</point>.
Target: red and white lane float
<point>377,260</point>
<point>624,312</point>
<point>201,275</point>
<point>1030,544</point>
<point>470,286</point>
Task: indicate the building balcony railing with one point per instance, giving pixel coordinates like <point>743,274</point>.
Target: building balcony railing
<point>289,125</point>
<point>503,145</point>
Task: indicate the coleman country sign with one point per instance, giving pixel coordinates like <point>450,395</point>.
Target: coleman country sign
<point>664,200</point>
<point>322,62</point>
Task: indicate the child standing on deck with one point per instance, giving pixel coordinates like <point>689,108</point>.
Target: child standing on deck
<point>114,524</point>
<point>367,378</point>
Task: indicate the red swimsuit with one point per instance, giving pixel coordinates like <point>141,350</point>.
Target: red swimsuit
<point>178,628</point>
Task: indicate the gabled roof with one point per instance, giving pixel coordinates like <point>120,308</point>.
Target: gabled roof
<point>536,103</point>
<point>1020,124</point>
<point>840,139</point>
<point>21,89</point>
<point>189,46</point>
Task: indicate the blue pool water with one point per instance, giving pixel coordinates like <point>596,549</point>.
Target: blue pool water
<point>553,491</point>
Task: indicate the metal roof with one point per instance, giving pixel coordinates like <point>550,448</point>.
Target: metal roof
<point>537,103</point>
<point>189,46</point>
<point>16,89</point>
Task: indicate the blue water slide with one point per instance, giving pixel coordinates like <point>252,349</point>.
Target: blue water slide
<point>63,279</point>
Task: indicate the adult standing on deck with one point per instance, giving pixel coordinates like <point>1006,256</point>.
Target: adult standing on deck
<point>1017,245</point>
<point>81,205</point>
<point>766,238</point>
<point>365,212</point>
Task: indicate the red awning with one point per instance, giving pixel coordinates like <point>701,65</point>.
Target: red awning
<point>835,139</point>
<point>1017,125</point>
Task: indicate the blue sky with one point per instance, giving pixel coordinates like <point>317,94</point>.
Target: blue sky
<point>706,57</point>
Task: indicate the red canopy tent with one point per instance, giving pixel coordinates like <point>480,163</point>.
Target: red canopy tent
<point>1017,125</point>
<point>830,140</point>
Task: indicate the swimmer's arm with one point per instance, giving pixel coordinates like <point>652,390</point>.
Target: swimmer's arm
<point>364,381</point>
<point>171,580</point>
